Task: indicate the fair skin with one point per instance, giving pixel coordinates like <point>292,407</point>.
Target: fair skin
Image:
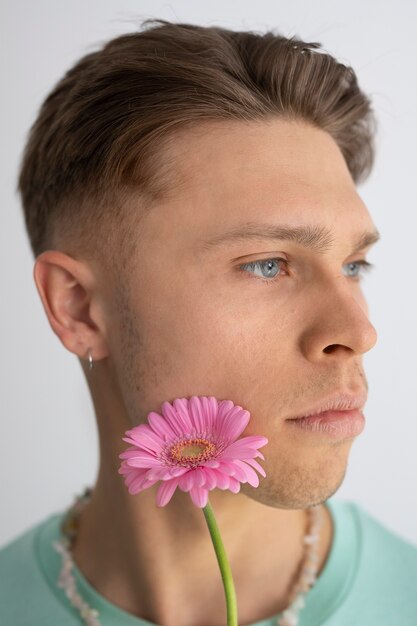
<point>192,323</point>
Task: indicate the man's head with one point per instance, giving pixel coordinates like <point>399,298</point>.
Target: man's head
<point>144,159</point>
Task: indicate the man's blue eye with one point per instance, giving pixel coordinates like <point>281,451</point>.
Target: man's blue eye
<point>361,264</point>
<point>272,272</point>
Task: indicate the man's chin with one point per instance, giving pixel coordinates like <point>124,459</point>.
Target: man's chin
<point>299,497</point>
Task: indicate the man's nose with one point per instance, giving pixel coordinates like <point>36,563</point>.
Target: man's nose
<point>337,323</point>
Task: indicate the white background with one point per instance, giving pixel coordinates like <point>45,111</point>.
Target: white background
<point>48,442</point>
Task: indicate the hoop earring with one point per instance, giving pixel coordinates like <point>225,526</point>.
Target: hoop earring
<point>90,359</point>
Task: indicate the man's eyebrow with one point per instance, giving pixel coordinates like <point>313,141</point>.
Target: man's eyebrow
<point>316,237</point>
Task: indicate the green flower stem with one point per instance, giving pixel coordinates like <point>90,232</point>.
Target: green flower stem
<point>225,569</point>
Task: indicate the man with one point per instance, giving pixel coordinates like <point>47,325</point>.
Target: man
<point>190,198</point>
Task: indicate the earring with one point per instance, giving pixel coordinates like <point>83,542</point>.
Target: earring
<point>90,359</point>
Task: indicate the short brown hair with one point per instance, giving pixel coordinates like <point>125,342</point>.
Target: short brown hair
<point>98,140</point>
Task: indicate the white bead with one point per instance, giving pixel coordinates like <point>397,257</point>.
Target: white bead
<point>66,580</point>
<point>289,618</point>
<point>298,603</point>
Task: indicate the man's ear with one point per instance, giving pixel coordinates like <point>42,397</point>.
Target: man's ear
<point>67,289</point>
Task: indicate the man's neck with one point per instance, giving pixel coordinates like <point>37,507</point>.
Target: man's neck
<point>158,563</point>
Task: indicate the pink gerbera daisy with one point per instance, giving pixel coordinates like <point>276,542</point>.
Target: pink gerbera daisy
<point>193,445</point>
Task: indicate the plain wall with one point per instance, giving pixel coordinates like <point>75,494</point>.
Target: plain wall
<point>48,441</point>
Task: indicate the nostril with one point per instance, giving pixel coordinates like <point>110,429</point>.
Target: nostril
<point>334,346</point>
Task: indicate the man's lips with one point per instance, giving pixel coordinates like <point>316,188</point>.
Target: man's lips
<point>340,403</point>
<point>332,424</point>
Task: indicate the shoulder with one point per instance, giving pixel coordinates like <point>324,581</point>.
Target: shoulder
<point>387,546</point>
<point>373,535</point>
<point>384,587</point>
<point>25,594</point>
<point>18,552</point>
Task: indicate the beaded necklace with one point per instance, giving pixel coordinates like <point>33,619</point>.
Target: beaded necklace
<point>90,615</point>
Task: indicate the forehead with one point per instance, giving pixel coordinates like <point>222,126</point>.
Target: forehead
<point>280,151</point>
<point>275,170</point>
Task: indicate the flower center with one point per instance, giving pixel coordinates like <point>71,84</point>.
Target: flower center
<point>192,451</point>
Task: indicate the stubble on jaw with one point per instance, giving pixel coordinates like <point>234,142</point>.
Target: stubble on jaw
<point>294,483</point>
<point>140,370</point>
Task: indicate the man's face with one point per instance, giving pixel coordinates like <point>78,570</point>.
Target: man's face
<point>275,338</point>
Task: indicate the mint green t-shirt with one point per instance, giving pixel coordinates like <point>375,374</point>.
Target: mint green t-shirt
<point>369,579</point>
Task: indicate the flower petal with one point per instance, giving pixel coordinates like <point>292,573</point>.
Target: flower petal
<point>199,496</point>
<point>240,421</point>
<point>227,467</point>
<point>160,473</point>
<point>211,481</point>
<point>145,437</point>
<point>130,473</point>
<point>149,482</point>
<point>186,481</point>
<point>136,482</point>
<point>143,462</point>
<point>238,472</point>
<point>255,441</point>
<point>124,469</point>
<point>197,414</point>
<point>199,476</point>
<point>210,407</point>
<point>166,491</point>
<point>136,485</point>
<point>178,470</point>
<point>238,452</point>
<point>166,473</point>
<point>246,447</point>
<point>212,463</point>
<point>223,408</point>
<point>176,421</point>
<point>251,476</point>
<point>233,424</point>
<point>222,480</point>
<point>256,465</point>
<point>234,485</point>
<point>136,453</point>
<point>182,408</point>
<point>160,426</point>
